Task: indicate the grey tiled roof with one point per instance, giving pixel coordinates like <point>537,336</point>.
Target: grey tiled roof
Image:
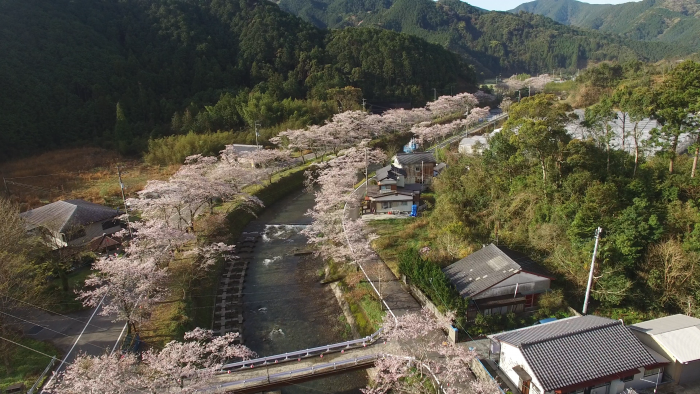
<point>488,266</point>
<point>415,158</point>
<point>60,216</point>
<point>554,329</point>
<point>389,172</point>
<point>579,350</point>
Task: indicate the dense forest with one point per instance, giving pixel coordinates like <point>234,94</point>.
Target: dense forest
<point>115,73</point>
<point>670,21</point>
<point>495,42</point>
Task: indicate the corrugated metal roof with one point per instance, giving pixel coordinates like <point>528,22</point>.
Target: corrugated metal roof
<point>665,324</point>
<point>678,334</point>
<point>61,216</point>
<point>488,266</point>
<point>683,344</point>
<point>415,158</point>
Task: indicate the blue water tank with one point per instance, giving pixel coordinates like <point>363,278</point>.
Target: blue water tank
<point>414,210</point>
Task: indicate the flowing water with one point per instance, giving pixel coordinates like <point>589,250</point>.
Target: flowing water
<point>285,306</point>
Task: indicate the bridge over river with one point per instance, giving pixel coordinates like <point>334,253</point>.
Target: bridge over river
<point>266,373</point>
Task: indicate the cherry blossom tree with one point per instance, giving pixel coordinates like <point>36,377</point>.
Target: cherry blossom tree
<point>268,161</point>
<point>181,367</point>
<point>333,184</point>
<point>446,105</point>
<point>128,287</point>
<point>185,364</point>
<point>416,340</point>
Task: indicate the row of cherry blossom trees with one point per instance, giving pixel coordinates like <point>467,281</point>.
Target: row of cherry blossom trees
<point>350,128</point>
<point>179,367</point>
<point>131,284</point>
<point>343,239</point>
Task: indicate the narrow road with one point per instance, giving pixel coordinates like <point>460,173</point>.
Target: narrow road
<point>386,284</point>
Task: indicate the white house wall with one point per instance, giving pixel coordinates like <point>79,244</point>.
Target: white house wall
<point>525,282</point>
<point>513,357</point>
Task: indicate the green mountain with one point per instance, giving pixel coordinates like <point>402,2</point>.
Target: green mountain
<point>671,21</point>
<point>113,72</point>
<point>496,42</point>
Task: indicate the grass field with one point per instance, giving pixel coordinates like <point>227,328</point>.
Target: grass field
<point>26,365</point>
<point>79,173</point>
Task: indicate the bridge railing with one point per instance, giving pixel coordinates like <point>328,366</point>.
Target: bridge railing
<point>282,376</point>
<point>299,354</point>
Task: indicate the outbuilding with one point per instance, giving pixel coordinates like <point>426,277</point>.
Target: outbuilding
<point>677,338</point>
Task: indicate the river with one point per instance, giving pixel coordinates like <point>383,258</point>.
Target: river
<point>285,306</point>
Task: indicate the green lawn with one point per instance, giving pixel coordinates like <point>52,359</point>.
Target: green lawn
<point>26,365</point>
<point>396,235</point>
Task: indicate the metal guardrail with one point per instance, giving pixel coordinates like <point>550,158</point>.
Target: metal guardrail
<point>41,377</point>
<point>299,354</point>
<point>281,376</point>
<point>476,127</point>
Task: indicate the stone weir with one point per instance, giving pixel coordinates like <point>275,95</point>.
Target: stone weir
<point>228,311</point>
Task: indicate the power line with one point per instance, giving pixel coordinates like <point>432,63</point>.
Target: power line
<point>48,328</point>
<point>50,311</point>
<point>28,348</point>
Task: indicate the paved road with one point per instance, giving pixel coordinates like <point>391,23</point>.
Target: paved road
<point>395,296</point>
<point>99,336</point>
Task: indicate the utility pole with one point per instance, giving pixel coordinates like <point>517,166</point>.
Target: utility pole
<point>422,173</point>
<point>519,95</point>
<point>529,90</point>
<point>257,124</point>
<point>434,94</point>
<point>126,209</point>
<point>590,275</point>
<point>363,104</point>
<point>366,171</point>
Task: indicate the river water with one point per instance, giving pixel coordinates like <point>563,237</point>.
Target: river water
<point>285,306</point>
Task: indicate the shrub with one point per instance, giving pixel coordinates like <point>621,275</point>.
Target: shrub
<point>175,148</point>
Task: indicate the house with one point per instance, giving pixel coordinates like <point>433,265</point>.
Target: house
<point>71,222</point>
<point>418,166</point>
<point>498,281</point>
<point>475,144</point>
<point>391,194</point>
<point>582,354</point>
<point>677,338</point>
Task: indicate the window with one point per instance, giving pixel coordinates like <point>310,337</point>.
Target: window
<point>628,378</point>
<point>386,205</point>
<point>418,169</point>
<point>404,202</point>
<point>385,187</point>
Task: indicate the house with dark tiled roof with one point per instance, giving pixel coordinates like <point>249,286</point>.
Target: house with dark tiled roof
<point>71,222</point>
<point>677,338</point>
<point>582,354</point>
<point>498,280</point>
<point>418,166</point>
<point>391,193</point>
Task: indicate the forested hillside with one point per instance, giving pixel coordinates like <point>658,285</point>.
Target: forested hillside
<point>496,42</point>
<point>114,72</point>
<point>673,21</point>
